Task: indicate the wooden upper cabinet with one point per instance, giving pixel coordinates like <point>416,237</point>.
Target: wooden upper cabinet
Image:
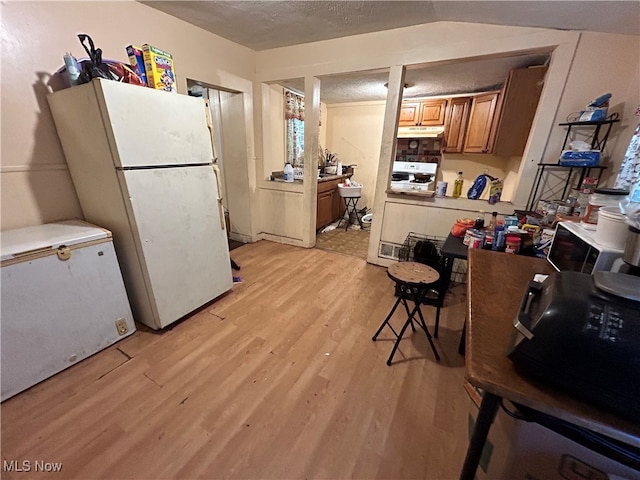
<point>500,122</point>
<point>432,112</point>
<point>409,114</point>
<point>480,130</point>
<point>455,125</point>
<point>425,112</point>
<point>520,102</point>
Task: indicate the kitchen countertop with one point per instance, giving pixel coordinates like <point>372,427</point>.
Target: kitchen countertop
<point>328,178</point>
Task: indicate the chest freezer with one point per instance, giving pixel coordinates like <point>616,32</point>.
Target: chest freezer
<point>63,299</point>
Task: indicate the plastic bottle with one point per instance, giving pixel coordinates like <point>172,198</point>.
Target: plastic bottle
<point>512,244</point>
<point>457,186</point>
<point>479,223</point>
<point>498,239</point>
<point>493,222</point>
<point>288,172</point>
<point>73,69</point>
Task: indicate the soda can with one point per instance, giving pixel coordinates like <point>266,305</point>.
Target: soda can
<point>475,242</point>
<point>441,189</point>
<point>564,209</point>
<point>589,184</point>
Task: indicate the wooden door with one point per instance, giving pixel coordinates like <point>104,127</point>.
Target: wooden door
<point>409,114</point>
<point>455,126</point>
<point>481,131</point>
<point>432,112</point>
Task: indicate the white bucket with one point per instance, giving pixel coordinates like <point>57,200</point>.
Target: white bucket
<point>611,230</point>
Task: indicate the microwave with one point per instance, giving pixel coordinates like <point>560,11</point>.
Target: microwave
<point>575,249</point>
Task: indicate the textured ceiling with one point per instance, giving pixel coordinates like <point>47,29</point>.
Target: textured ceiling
<point>422,81</point>
<point>261,25</point>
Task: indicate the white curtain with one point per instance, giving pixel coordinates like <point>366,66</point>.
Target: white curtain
<point>294,117</point>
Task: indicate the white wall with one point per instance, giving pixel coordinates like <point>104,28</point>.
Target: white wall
<point>277,153</point>
<point>354,132</point>
<point>603,63</point>
<point>36,185</point>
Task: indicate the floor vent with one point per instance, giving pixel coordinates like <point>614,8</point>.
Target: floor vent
<point>389,250</point>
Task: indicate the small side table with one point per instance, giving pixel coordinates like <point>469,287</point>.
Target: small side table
<point>351,209</point>
<point>413,281</point>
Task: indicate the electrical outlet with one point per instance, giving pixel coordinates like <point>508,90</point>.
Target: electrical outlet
<point>121,326</point>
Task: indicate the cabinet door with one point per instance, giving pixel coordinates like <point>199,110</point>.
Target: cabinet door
<point>521,95</point>
<point>324,212</point>
<point>409,114</point>
<point>481,131</point>
<point>456,125</point>
<point>432,112</point>
<point>338,205</point>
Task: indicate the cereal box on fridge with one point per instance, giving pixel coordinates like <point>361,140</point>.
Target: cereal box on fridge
<point>159,68</point>
<point>136,59</point>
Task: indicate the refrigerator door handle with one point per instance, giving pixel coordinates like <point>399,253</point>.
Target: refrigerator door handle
<point>216,170</point>
<point>207,114</point>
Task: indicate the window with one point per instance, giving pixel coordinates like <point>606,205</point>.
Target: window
<point>294,131</point>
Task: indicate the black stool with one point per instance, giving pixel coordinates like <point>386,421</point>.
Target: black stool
<point>350,204</point>
<point>412,282</point>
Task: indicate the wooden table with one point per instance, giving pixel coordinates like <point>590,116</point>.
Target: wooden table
<point>496,285</point>
<point>452,248</point>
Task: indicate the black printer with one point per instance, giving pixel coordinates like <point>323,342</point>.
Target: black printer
<point>581,334</point>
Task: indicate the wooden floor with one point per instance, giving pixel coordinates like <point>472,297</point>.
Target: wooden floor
<point>279,379</point>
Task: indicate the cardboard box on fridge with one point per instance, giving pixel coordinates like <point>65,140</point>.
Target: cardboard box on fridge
<point>158,65</point>
<point>519,450</point>
<point>136,60</point>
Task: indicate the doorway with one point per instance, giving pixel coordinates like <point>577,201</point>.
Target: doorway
<point>229,140</point>
<point>353,241</point>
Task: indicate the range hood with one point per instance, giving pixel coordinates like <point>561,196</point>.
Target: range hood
<point>420,132</point>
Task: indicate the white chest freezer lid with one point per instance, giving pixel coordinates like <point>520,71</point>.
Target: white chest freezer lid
<point>50,236</point>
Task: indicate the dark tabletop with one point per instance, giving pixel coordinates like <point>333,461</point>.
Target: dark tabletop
<point>453,247</point>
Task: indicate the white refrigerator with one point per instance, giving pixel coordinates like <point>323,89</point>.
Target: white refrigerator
<point>141,163</point>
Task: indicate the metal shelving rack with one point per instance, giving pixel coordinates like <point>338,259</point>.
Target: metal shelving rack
<point>598,142</point>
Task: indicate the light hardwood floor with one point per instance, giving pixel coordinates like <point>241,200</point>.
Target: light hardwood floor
<point>279,379</point>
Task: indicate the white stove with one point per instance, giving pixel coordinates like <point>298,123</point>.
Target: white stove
<point>403,176</point>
